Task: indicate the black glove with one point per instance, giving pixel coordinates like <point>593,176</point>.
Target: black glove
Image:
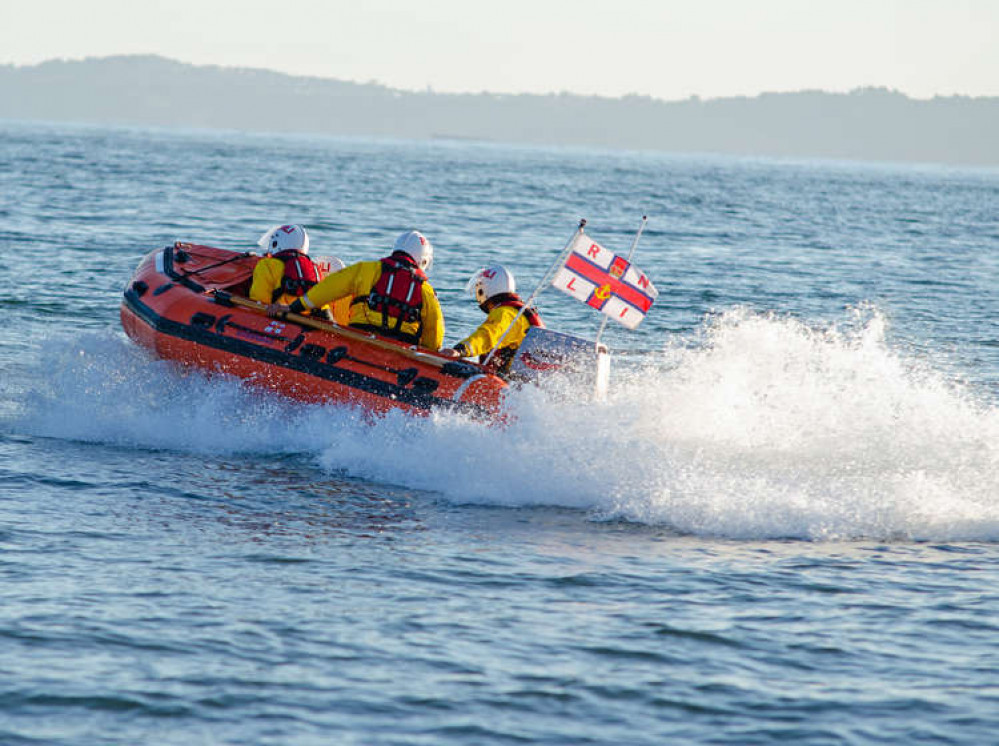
<point>323,314</point>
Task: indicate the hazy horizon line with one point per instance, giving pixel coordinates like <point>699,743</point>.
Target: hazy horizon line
<point>859,89</point>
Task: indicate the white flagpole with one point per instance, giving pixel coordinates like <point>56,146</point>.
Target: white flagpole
<point>544,281</point>
<point>631,253</point>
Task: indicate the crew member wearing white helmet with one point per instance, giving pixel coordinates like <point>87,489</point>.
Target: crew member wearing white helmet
<point>495,290</point>
<point>391,297</point>
<point>286,272</point>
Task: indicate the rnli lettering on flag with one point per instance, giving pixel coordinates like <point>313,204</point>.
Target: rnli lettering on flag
<point>609,283</point>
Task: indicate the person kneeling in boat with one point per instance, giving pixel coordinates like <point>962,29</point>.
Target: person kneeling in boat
<point>494,289</point>
<point>391,297</point>
<point>286,272</point>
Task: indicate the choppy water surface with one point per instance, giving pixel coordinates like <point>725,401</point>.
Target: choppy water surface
<point>781,527</point>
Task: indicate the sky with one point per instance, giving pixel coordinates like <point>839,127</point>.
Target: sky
<point>667,49</point>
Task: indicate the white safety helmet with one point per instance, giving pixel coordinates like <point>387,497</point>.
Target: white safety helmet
<point>490,281</point>
<point>330,264</point>
<point>417,246</point>
<point>284,237</point>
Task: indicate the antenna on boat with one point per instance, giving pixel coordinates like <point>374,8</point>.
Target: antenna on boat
<point>631,253</point>
<point>541,285</point>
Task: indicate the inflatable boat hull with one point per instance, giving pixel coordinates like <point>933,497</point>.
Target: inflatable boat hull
<point>187,303</point>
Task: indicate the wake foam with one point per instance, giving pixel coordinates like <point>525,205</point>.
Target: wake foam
<point>758,427</point>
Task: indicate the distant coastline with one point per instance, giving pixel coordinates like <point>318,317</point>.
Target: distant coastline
<point>873,124</point>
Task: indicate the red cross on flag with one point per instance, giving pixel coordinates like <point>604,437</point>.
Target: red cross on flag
<point>609,283</point>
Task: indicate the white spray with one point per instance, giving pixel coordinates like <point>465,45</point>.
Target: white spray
<point>760,427</point>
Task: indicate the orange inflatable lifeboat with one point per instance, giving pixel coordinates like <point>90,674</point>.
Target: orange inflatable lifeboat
<point>188,303</point>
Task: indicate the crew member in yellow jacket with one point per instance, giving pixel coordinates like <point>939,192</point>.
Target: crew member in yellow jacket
<point>391,297</point>
<point>495,290</point>
<point>286,271</point>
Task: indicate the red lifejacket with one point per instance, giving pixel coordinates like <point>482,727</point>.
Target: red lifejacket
<point>504,355</point>
<point>300,274</point>
<point>398,295</point>
<point>512,300</point>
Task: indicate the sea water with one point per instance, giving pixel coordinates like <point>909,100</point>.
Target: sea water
<point>781,526</point>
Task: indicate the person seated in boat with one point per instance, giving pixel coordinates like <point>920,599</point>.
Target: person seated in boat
<point>286,271</point>
<point>391,296</point>
<point>495,290</point>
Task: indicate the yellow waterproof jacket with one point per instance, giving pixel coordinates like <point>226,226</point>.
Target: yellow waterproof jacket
<point>267,276</point>
<point>356,281</point>
<point>482,339</point>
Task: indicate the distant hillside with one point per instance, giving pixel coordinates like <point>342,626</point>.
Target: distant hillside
<point>867,124</point>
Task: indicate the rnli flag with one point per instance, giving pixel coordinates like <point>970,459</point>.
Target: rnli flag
<point>609,283</point>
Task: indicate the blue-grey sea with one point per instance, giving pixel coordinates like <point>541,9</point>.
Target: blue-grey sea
<point>782,526</point>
